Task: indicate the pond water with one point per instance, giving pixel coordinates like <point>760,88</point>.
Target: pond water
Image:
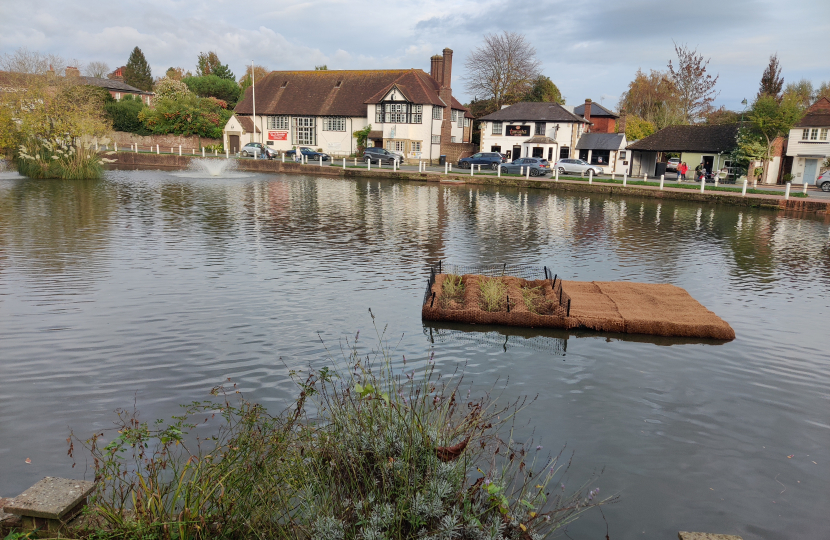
<point>153,288</point>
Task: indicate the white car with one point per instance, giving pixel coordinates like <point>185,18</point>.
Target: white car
<point>672,164</point>
<point>577,166</point>
<point>823,181</point>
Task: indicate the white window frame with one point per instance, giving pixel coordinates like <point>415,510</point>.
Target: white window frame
<point>805,134</point>
<point>436,139</point>
<point>497,128</point>
<point>417,114</point>
<point>814,134</point>
<point>416,146</point>
<point>452,139</point>
<point>278,122</point>
<point>334,123</point>
<point>305,130</point>
<point>437,112</point>
<point>823,136</point>
<point>466,122</point>
<point>454,115</point>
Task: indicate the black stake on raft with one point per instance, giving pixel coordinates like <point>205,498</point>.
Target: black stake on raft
<point>569,308</point>
<point>433,300</point>
<point>439,267</point>
<point>508,303</point>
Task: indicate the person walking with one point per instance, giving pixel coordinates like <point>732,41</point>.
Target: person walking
<point>677,170</point>
<point>683,170</point>
<point>700,172</point>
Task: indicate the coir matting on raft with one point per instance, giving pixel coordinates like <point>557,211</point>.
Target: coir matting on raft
<point>521,295</point>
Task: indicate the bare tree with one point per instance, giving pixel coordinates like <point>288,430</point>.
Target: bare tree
<point>31,62</point>
<point>503,68</point>
<point>771,81</point>
<point>695,86</point>
<point>97,69</point>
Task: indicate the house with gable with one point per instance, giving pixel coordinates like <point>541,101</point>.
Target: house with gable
<point>808,145</point>
<point>410,111</point>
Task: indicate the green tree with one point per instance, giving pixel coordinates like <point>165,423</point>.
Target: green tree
<point>191,115</point>
<point>214,86</point>
<point>771,119</point>
<point>801,91</point>
<point>636,128</point>
<point>361,135</point>
<point>137,71</point>
<point>771,81</point>
<point>209,64</point>
<point>823,90</point>
<point>124,115</point>
<point>544,89</point>
<point>722,116</point>
<point>324,67</point>
<point>171,89</point>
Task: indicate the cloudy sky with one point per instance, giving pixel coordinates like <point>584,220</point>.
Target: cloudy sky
<point>590,48</point>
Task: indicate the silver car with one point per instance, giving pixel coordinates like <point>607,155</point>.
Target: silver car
<point>823,181</point>
<point>537,166</point>
<point>577,166</point>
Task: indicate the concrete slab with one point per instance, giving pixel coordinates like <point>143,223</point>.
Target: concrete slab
<point>51,498</point>
<point>682,535</point>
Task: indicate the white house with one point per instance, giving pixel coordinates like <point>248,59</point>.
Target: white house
<point>409,111</point>
<point>531,129</point>
<point>606,150</point>
<point>809,142</point>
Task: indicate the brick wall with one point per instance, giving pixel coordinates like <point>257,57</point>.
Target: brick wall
<point>456,151</point>
<point>603,125</point>
<point>164,141</point>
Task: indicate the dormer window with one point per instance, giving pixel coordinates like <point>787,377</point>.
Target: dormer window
<point>284,84</point>
<point>337,84</point>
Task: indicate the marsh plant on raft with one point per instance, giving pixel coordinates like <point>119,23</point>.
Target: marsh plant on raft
<point>363,453</point>
<point>40,159</point>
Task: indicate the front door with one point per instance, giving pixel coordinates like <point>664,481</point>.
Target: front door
<point>708,162</point>
<point>810,166</point>
<point>517,152</point>
<point>233,142</point>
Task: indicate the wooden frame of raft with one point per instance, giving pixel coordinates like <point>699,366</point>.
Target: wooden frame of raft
<point>606,306</point>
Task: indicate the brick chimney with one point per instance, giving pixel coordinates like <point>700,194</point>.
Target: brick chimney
<point>446,78</point>
<point>117,75</point>
<point>587,114</point>
<point>437,68</point>
<point>72,72</point>
<point>621,123</point>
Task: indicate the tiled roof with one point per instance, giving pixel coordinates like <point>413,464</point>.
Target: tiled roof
<point>533,112</point>
<point>596,110</point>
<point>818,115</point>
<point>337,92</point>
<point>115,85</point>
<point>247,124</point>
<point>716,138</point>
<point>600,141</point>
<point>540,139</point>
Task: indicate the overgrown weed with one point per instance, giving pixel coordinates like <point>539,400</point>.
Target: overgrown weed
<point>452,290</point>
<point>493,293</point>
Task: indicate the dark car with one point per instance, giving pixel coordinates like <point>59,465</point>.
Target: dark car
<point>490,160</point>
<point>538,166</point>
<point>258,150</point>
<point>309,153</point>
<point>377,154</point>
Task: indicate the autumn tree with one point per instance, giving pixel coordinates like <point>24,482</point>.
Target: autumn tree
<point>722,116</point>
<point>771,119</point>
<point>636,128</point>
<point>695,86</point>
<point>259,73</point>
<point>543,89</point>
<point>823,90</point>
<point>137,71</point>
<point>209,64</point>
<point>97,69</point>
<point>502,68</point>
<point>653,98</point>
<point>176,73</point>
<point>771,81</point>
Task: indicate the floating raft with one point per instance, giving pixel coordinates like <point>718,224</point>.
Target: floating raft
<point>605,306</point>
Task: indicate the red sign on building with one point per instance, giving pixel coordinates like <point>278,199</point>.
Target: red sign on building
<point>277,135</point>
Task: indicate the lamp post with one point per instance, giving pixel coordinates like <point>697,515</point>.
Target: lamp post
<point>253,99</point>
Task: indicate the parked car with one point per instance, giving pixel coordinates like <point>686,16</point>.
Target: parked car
<point>377,154</point>
<point>577,166</point>
<point>256,149</point>
<point>538,166</point>
<point>310,153</point>
<point>823,181</point>
<point>672,164</point>
<point>490,160</point>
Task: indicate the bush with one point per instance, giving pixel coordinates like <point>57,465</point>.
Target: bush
<point>363,453</point>
<point>44,159</point>
<point>188,116</point>
<point>214,86</point>
<point>168,88</point>
<point>124,115</point>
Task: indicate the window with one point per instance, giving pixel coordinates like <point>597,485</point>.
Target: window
<point>466,122</point>
<point>460,119</point>
<point>564,152</point>
<point>395,146</point>
<point>495,149</point>
<point>417,114</point>
<point>334,123</point>
<point>118,95</point>
<point>452,139</point>
<point>600,157</point>
<point>437,113</point>
<point>814,134</point>
<point>436,139</point>
<point>416,146</point>
<point>379,114</point>
<point>805,134</point>
<point>496,128</point>
<point>277,122</point>
<point>396,113</point>
<point>540,128</point>
<point>454,115</point>
<point>304,132</point>
<point>622,154</point>
<point>823,136</point>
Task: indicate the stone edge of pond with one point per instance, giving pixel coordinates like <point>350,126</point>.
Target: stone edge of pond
<point>130,160</point>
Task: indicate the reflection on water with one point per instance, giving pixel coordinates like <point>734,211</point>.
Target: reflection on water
<point>155,287</point>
